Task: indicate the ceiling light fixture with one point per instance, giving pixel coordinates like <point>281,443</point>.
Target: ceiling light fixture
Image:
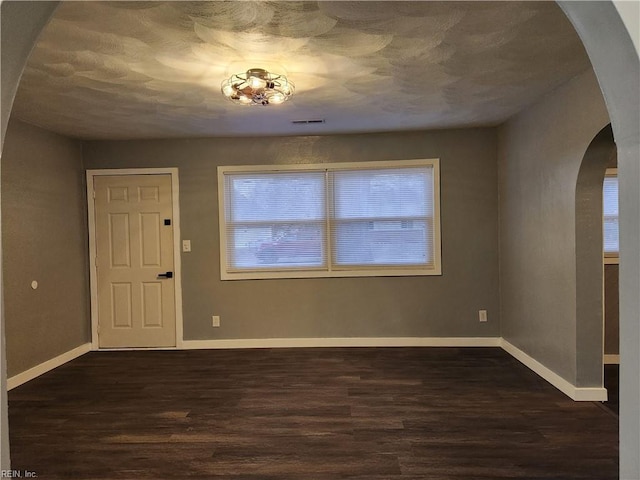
<point>257,87</point>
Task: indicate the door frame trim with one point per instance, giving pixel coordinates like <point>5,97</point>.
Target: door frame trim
<point>93,278</point>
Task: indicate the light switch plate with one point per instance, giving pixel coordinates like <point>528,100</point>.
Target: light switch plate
<point>186,245</point>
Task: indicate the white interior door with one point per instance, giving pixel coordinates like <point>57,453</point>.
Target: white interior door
<point>134,261</point>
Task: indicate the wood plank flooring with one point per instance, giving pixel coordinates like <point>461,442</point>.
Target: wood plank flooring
<point>612,384</point>
<point>306,414</point>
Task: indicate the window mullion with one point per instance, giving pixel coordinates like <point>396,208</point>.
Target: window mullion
<point>328,218</point>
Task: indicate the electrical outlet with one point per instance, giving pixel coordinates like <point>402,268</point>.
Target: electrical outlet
<point>215,321</point>
<point>482,315</point>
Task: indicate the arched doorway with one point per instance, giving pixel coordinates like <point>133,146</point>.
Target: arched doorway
<point>589,272</point>
<point>602,32</point>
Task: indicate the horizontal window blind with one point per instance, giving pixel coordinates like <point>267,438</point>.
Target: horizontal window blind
<point>275,220</point>
<point>383,217</point>
<point>374,218</point>
<point>611,237</point>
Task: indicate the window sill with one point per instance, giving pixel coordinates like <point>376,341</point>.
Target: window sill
<point>387,272</point>
<point>612,260</point>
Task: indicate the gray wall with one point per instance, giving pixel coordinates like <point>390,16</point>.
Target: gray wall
<point>21,24</point>
<point>603,33</point>
<point>445,305</point>
<point>44,238</point>
<point>611,297</point>
<point>538,172</point>
<point>589,267</point>
<point>617,64</point>
<point>611,310</point>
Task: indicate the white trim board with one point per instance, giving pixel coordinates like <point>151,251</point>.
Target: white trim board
<point>47,366</point>
<point>177,243</point>
<point>612,260</point>
<point>596,394</point>
<point>611,359</point>
<point>343,342</point>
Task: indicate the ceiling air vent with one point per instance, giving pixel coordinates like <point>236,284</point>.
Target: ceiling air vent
<point>307,122</point>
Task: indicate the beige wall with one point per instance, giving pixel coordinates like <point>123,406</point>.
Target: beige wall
<point>446,305</point>
<point>44,238</point>
<point>538,169</point>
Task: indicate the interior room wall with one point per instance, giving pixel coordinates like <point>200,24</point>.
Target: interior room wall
<point>603,33</point>
<point>611,36</point>
<point>436,306</point>
<point>611,310</point>
<point>21,24</point>
<point>44,238</point>
<point>612,297</point>
<point>589,254</point>
<point>538,171</point>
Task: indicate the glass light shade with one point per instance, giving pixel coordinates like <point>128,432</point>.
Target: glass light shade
<point>277,98</point>
<point>257,82</point>
<point>227,89</point>
<point>257,87</point>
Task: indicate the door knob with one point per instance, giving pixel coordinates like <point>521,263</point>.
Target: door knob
<point>165,275</point>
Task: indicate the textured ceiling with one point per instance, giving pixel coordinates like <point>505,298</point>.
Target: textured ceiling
<point>153,69</point>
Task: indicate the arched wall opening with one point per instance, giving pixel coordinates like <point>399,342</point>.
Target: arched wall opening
<point>602,32</point>
<point>589,271</point>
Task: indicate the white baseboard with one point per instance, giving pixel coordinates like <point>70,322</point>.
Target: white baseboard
<point>344,342</point>
<point>573,392</point>
<point>44,367</point>
<point>611,359</point>
<point>591,394</point>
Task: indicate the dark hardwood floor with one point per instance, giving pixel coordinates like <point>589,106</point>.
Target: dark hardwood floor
<point>612,384</point>
<point>306,414</point>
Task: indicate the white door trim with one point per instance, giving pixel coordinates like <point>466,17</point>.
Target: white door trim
<point>175,200</point>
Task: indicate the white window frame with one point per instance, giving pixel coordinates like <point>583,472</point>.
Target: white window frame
<point>610,258</point>
<point>313,272</point>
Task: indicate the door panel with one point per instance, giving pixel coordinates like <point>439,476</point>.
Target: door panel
<point>134,245</point>
<point>119,240</point>
<point>121,305</point>
<point>152,304</point>
<point>151,240</point>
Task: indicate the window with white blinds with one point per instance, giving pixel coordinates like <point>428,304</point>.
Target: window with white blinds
<point>610,212</point>
<point>333,220</point>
